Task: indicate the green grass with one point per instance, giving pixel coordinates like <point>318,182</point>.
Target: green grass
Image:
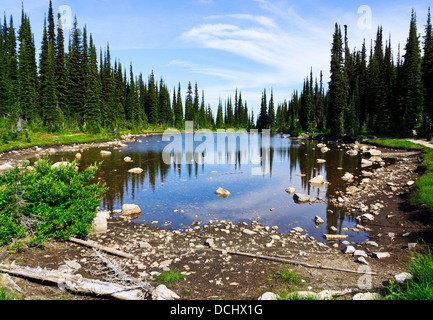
<point>170,277</point>
<point>5,294</point>
<point>397,144</point>
<point>287,276</point>
<point>420,287</point>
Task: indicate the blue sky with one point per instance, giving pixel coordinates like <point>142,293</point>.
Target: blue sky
<point>223,45</point>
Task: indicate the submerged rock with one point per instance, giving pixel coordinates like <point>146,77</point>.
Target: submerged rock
<point>222,193</point>
<point>301,198</point>
<point>136,170</point>
<point>317,180</point>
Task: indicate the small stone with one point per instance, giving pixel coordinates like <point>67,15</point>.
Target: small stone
<point>269,296</point>
<point>318,220</point>
<point>291,190</point>
<point>105,153</point>
<point>381,255</point>
<point>136,170</point>
<point>366,296</point>
<point>402,277</point>
<point>362,260</point>
<point>360,253</point>
<point>411,246</point>
<point>301,198</point>
<point>349,250</point>
<point>249,232</point>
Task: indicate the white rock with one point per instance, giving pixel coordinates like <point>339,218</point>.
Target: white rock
<point>249,232</point>
<point>347,176</point>
<point>321,161</point>
<point>136,170</point>
<point>100,224</point>
<point>291,190</point>
<point>127,159</point>
<point>163,293</point>
<point>367,217</point>
<point>381,255</point>
<point>373,153</point>
<point>130,209</point>
<point>349,250</point>
<point>362,260</point>
<point>366,163</point>
<point>324,149</point>
<point>402,277</point>
<point>222,192</point>
<point>360,253</point>
<point>366,296</point>
<point>298,229</point>
<point>61,164</point>
<point>318,180</point>
<point>318,220</point>
<point>301,198</point>
<point>410,183</point>
<point>105,153</point>
<point>6,167</point>
<point>269,296</point>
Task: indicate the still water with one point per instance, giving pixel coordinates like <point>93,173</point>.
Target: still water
<point>178,188</point>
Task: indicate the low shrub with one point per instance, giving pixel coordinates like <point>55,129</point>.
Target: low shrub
<point>46,202</point>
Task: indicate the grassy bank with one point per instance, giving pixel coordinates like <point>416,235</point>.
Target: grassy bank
<point>422,191</point>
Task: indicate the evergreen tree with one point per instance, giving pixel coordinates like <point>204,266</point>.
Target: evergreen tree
<point>427,72</point>
<point>178,113</point>
<point>152,100</point>
<point>47,87</point>
<point>76,74</point>
<point>262,121</point>
<point>189,114</point>
<point>60,73</point>
<point>220,116</point>
<point>337,87</point>
<point>92,107</point>
<point>271,113</point>
<point>412,93</point>
<point>27,72</point>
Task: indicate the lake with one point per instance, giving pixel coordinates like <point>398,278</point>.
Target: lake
<point>181,175</point>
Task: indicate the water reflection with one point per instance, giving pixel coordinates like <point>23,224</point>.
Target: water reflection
<point>188,181</point>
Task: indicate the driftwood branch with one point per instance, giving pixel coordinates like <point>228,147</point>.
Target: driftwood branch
<point>102,248</point>
<point>75,283</point>
<point>122,276</point>
<point>300,263</point>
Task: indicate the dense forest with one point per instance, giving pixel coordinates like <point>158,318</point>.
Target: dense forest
<point>73,86</point>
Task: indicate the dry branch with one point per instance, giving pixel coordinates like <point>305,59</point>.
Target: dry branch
<point>75,283</point>
<point>102,248</point>
<point>300,263</point>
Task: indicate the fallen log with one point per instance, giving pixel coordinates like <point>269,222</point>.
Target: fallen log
<point>102,248</point>
<point>300,263</point>
<point>76,283</point>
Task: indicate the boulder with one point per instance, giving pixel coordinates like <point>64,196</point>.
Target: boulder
<point>131,210</point>
<point>136,170</point>
<point>317,180</point>
<point>366,163</point>
<point>99,223</point>
<point>301,198</point>
<point>291,190</point>
<point>366,296</point>
<point>324,149</point>
<point>352,152</point>
<point>352,190</point>
<point>6,167</point>
<point>347,176</point>
<point>223,193</point>
<point>381,255</point>
<point>373,153</point>
<point>163,293</point>
<point>269,296</point>
<point>349,250</point>
<point>402,277</point>
<point>318,220</point>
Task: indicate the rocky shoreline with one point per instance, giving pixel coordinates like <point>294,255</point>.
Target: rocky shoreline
<point>206,254</point>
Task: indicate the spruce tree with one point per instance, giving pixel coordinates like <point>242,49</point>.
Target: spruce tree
<point>92,107</point>
<point>189,114</point>
<point>47,87</point>
<point>337,87</point>
<point>427,72</point>
<point>60,73</point>
<point>178,112</point>
<point>412,93</point>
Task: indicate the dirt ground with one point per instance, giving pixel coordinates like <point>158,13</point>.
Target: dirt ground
<point>220,275</point>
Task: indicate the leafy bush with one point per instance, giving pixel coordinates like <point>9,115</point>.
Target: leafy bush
<point>46,202</point>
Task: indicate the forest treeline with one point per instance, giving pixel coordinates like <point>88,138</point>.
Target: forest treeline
<point>73,86</point>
